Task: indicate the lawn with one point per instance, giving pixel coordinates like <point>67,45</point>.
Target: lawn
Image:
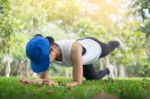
<point>124,89</point>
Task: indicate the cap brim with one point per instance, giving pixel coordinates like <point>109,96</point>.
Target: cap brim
<point>42,66</point>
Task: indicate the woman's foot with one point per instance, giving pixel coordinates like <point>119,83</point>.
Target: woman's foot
<point>114,44</point>
<point>121,45</point>
<point>111,72</point>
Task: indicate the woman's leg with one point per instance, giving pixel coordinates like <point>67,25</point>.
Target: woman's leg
<point>90,74</point>
<point>106,47</point>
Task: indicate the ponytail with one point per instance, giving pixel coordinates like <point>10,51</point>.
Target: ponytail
<point>38,35</point>
<point>50,39</point>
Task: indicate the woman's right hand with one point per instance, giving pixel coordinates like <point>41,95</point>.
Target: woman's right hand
<point>23,82</point>
<point>35,81</point>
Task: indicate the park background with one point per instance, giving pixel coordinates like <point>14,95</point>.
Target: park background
<point>125,20</point>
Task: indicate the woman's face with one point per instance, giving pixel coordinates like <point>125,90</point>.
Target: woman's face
<point>52,54</point>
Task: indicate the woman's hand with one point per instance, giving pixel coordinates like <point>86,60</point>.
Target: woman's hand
<point>74,83</point>
<point>38,82</point>
<point>46,79</point>
<point>23,82</point>
<point>49,82</point>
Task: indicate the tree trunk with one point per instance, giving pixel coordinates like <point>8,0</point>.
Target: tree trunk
<point>106,64</point>
<point>7,60</point>
<point>122,73</point>
<point>115,69</point>
<point>8,70</point>
<point>67,72</point>
<point>147,44</point>
<point>101,64</point>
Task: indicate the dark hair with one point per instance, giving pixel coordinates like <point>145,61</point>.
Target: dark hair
<point>50,39</point>
<point>38,35</point>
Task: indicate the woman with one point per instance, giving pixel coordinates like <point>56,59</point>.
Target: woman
<point>80,54</point>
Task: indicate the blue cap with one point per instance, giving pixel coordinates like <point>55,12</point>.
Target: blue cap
<point>37,50</point>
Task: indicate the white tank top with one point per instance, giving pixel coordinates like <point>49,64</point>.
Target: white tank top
<point>93,51</point>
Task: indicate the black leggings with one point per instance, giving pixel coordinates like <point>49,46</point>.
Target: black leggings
<point>88,70</point>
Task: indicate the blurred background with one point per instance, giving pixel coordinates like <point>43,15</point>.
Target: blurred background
<point>125,20</point>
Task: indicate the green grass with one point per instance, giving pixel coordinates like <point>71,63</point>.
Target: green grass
<point>125,89</point>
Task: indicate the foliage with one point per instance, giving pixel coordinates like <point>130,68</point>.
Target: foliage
<point>142,8</point>
<point>73,19</point>
<point>140,5</point>
<point>5,25</point>
<point>139,71</point>
<point>146,26</point>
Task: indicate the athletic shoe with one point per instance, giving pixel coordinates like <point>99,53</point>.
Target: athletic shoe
<point>111,71</point>
<point>120,43</point>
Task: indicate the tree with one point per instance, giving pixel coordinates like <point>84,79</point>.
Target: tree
<point>143,9</point>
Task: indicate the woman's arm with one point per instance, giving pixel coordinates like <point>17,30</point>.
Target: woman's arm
<point>46,79</point>
<point>76,57</point>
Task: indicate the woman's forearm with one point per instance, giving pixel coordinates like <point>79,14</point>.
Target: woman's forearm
<point>44,75</point>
